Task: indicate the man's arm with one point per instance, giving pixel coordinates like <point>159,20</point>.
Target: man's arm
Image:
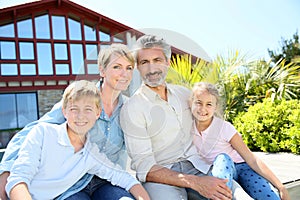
<point>207,186</point>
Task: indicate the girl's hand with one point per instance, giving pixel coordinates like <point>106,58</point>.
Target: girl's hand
<point>283,193</point>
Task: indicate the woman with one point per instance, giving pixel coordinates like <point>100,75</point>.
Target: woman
<point>116,66</point>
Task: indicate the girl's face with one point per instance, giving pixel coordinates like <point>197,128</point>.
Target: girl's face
<point>118,72</point>
<point>203,106</point>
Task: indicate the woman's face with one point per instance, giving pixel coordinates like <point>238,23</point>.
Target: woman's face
<point>118,73</point>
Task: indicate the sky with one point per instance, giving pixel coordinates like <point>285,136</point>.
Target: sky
<point>215,26</point>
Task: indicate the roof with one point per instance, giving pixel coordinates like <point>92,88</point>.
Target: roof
<point>180,43</point>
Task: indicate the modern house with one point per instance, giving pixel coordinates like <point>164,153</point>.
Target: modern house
<point>45,45</point>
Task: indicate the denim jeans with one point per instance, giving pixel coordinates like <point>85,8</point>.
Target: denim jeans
<point>100,189</point>
<point>159,191</point>
<point>254,184</point>
<point>223,167</point>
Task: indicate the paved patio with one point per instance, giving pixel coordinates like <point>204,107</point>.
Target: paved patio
<point>286,166</point>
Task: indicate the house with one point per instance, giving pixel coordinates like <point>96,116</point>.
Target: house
<point>44,46</point>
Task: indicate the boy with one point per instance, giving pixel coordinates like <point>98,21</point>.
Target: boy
<point>54,157</point>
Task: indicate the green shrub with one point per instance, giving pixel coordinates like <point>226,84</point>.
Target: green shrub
<point>271,126</point>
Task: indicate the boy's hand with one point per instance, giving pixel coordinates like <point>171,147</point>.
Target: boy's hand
<point>3,181</point>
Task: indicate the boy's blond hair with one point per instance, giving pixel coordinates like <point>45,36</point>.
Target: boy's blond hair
<point>79,89</point>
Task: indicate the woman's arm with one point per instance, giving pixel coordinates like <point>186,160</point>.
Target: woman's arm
<point>3,181</point>
<point>258,165</point>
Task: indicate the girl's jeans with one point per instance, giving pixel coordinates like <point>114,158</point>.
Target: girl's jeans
<point>254,184</point>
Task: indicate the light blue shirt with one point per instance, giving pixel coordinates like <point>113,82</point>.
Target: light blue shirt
<point>106,133</point>
<point>48,165</point>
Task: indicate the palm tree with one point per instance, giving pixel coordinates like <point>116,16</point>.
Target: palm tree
<point>242,83</point>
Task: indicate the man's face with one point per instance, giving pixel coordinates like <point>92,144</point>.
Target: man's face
<point>153,66</point>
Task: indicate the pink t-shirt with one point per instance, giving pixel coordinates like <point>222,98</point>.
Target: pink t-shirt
<point>215,140</point>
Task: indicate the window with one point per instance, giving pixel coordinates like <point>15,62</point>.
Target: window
<point>62,69</point>
<point>89,33</point>
<point>59,28</point>
<point>42,29</point>
<point>27,69</point>
<point>91,52</point>
<point>104,37</point>
<point>19,110</point>
<point>60,51</point>
<point>44,58</point>
<point>77,59</point>
<point>25,29</point>
<point>93,69</point>
<point>74,30</point>
<point>26,51</point>
<point>7,31</point>
<point>9,69</point>
<point>7,50</point>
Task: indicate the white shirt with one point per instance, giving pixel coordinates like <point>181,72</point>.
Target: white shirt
<point>158,131</point>
<point>48,165</point>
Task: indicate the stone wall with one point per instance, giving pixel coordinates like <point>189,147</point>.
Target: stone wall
<point>47,99</point>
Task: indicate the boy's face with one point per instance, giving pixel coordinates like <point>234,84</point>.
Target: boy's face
<point>81,115</point>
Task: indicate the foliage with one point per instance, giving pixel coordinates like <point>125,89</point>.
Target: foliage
<point>290,50</point>
<point>271,126</point>
<point>278,82</point>
<point>184,72</point>
<point>241,83</point>
<point>260,97</point>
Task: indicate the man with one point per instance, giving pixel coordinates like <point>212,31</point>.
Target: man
<point>156,122</point>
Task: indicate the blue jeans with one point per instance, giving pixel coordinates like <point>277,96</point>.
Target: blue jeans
<point>158,191</point>
<point>100,189</point>
<point>223,167</point>
<point>254,184</point>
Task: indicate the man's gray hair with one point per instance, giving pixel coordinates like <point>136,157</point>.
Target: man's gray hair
<point>152,41</point>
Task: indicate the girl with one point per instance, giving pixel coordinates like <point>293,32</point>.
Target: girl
<point>213,136</point>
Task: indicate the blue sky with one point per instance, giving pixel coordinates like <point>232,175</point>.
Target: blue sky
<point>217,26</point>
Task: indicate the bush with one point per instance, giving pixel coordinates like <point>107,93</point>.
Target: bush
<point>271,126</point>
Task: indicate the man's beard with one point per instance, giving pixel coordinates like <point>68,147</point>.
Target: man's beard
<point>159,80</point>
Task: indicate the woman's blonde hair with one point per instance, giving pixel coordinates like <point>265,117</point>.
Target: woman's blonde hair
<point>114,49</point>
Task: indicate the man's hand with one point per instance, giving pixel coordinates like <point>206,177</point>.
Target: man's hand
<point>211,187</point>
<point>3,181</point>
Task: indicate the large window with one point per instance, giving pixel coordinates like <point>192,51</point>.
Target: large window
<point>18,109</point>
<point>42,28</point>
<point>47,49</point>
<point>55,46</point>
